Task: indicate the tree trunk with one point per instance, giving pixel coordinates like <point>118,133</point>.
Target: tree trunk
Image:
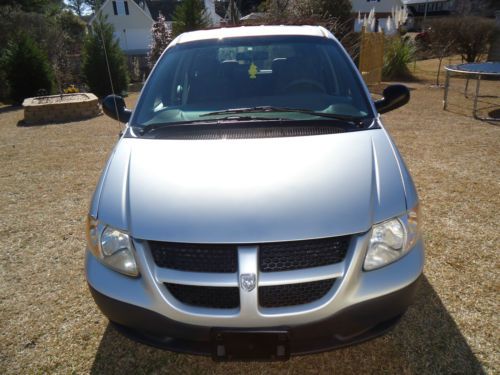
<point>441,57</point>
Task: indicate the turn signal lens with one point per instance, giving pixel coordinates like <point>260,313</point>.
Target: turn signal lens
<point>92,236</point>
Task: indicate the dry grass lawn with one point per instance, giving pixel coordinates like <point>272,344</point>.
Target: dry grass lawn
<point>426,70</point>
<point>50,324</point>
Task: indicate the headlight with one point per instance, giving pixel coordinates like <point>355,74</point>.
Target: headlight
<point>392,239</point>
<point>112,247</point>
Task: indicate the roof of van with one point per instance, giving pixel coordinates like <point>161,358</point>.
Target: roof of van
<point>244,31</point>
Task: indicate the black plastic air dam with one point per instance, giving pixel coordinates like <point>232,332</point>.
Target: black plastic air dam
<point>353,325</point>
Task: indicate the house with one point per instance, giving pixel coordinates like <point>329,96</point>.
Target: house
<point>378,15</point>
<point>382,8</point>
<point>133,19</point>
<point>434,7</point>
<point>132,23</point>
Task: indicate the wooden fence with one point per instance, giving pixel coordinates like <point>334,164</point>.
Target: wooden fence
<point>371,56</point>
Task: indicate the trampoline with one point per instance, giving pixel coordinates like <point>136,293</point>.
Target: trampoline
<point>491,70</point>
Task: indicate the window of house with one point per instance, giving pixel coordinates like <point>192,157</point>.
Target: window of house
<point>120,8</point>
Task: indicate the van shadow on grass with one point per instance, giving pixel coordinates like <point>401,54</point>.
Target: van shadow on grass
<point>426,340</point>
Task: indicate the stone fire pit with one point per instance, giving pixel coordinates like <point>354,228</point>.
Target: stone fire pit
<point>60,108</point>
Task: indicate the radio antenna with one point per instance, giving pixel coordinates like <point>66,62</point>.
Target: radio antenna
<point>100,21</point>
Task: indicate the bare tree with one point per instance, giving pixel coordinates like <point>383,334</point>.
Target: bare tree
<point>77,6</point>
<point>94,4</point>
<point>277,9</point>
<point>443,39</point>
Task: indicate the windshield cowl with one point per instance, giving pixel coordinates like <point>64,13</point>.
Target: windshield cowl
<point>249,128</point>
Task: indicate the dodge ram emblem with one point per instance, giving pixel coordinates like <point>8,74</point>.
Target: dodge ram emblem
<point>247,281</point>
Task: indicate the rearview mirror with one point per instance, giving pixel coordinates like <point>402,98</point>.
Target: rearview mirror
<point>114,107</point>
<point>395,96</point>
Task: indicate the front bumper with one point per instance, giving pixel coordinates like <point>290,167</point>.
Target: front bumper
<point>352,325</point>
<point>359,306</point>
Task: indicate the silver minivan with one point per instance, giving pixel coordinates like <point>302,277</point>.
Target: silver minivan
<point>255,207</point>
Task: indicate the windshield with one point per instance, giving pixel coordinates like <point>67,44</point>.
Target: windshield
<point>212,79</point>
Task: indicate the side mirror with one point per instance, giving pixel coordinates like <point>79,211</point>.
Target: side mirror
<point>114,107</point>
<point>395,96</point>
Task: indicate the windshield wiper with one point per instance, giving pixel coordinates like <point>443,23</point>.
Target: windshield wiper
<point>218,121</point>
<point>335,116</point>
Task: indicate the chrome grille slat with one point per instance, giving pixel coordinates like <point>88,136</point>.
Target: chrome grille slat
<point>165,275</point>
<point>301,276</point>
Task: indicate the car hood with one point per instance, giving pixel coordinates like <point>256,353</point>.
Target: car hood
<point>252,190</point>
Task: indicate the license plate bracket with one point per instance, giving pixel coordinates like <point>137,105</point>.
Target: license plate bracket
<point>250,345</point>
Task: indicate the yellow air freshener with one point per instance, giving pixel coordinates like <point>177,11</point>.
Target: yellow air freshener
<point>252,71</point>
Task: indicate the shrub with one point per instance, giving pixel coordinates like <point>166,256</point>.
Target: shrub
<point>398,54</point>
<point>27,69</point>
<point>472,37</point>
<point>100,43</point>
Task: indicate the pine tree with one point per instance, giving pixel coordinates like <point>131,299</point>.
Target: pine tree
<point>98,43</point>
<point>161,36</point>
<point>189,15</point>
<point>27,69</point>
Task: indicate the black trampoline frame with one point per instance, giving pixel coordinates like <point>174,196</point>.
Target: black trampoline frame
<point>469,73</point>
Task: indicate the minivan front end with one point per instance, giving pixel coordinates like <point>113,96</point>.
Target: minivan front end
<point>254,231</point>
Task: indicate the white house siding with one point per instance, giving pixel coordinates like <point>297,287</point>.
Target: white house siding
<point>133,31</point>
<point>382,6</point>
<point>133,40</point>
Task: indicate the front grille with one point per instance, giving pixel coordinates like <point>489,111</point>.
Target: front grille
<point>206,296</point>
<point>286,256</point>
<point>272,257</point>
<point>293,294</point>
<point>195,257</point>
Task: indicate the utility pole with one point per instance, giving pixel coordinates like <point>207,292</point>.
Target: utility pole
<point>234,18</point>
